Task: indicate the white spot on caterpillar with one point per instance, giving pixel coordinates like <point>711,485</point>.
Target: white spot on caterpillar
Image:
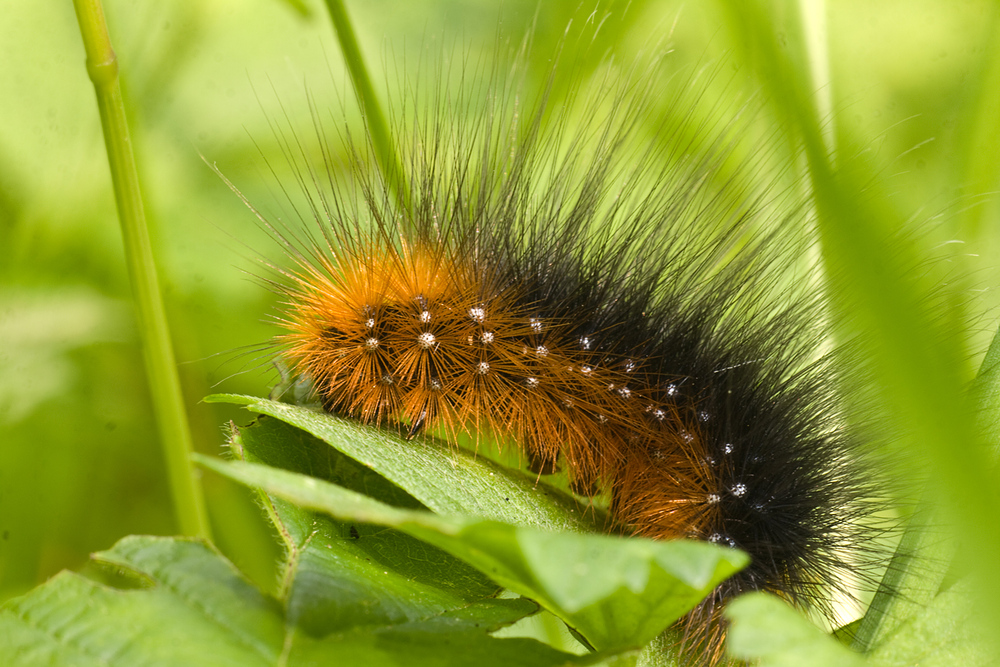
<point>536,324</point>
<point>426,340</point>
<point>371,343</point>
<point>478,314</point>
<point>387,380</point>
<point>531,382</point>
<point>370,323</point>
<point>585,369</point>
<point>625,392</point>
<point>671,389</point>
<point>739,490</point>
<point>686,435</point>
<point>435,384</point>
<point>704,416</point>
<point>483,368</point>
<point>602,419</point>
<point>585,343</point>
<point>712,498</point>
<point>568,402</point>
<point>425,316</point>
<point>659,414</point>
<point>727,448</point>
<point>719,538</point>
<point>541,351</point>
<point>486,337</point>
<point>629,366</point>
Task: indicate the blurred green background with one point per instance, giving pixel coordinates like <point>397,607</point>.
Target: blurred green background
<point>80,466</point>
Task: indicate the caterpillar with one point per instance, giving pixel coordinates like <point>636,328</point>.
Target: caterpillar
<point>626,307</point>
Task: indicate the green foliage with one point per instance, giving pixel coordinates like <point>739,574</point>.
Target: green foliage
<point>362,577</point>
<point>616,593</point>
<point>766,629</point>
<point>441,477</point>
<point>941,634</point>
<point>195,608</point>
<point>398,558</point>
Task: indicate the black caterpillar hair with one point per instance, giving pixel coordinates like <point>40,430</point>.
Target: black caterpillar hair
<point>628,307</point>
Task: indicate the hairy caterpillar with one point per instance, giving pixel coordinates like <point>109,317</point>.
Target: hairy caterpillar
<point>614,304</point>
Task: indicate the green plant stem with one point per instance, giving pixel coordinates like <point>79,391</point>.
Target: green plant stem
<point>812,15</point>
<point>378,129</point>
<point>981,133</point>
<point>168,402</point>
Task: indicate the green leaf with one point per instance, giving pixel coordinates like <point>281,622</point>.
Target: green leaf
<point>661,652</point>
<point>198,610</point>
<point>766,629</point>
<point>338,575</point>
<point>617,593</point>
<point>912,578</point>
<point>277,444</point>
<point>921,562</point>
<point>985,393</point>
<point>944,633</point>
<point>416,647</point>
<point>444,478</point>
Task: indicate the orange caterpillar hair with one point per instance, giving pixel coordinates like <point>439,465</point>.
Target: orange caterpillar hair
<point>434,340</point>
<point>611,304</point>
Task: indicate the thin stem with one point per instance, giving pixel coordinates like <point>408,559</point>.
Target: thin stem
<point>165,387</point>
<point>981,134</point>
<point>812,14</point>
<point>378,129</point>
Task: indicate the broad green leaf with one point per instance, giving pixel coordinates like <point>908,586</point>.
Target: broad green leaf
<point>445,478</point>
<point>944,633</point>
<point>420,646</point>
<point>661,652</point>
<point>338,575</point>
<point>921,562</point>
<point>273,442</point>
<point>616,592</point>
<point>985,393</point>
<point>911,580</point>
<point>765,629</point>
<point>196,609</point>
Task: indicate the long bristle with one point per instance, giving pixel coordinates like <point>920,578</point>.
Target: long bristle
<point>617,305</point>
